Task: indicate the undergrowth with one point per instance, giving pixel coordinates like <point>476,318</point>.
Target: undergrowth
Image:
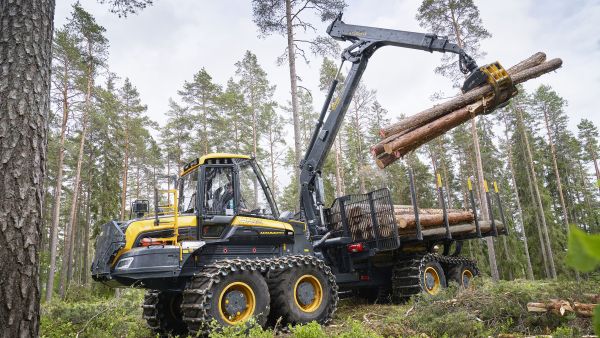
<point>486,309</point>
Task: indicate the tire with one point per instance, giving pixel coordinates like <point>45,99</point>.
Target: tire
<point>162,313</point>
<point>228,292</point>
<point>246,283</point>
<point>304,292</point>
<point>462,274</point>
<point>432,278</point>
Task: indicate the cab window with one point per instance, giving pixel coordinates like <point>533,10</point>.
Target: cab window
<point>253,199</point>
<point>187,192</point>
<point>219,197</point>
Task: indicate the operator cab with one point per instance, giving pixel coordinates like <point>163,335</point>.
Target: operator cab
<point>219,187</point>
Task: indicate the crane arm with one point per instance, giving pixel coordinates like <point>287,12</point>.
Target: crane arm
<point>365,41</point>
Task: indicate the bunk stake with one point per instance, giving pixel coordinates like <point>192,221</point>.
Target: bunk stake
<point>473,206</point>
<point>490,209</point>
<point>443,202</point>
<point>499,201</point>
<point>413,199</point>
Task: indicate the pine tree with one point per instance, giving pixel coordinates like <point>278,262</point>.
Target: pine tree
<point>93,49</point>
<point>201,95</point>
<point>176,134</point>
<point>25,59</point>
<point>460,21</point>
<point>284,17</point>
<point>536,190</point>
<point>257,92</point>
<point>236,114</point>
<point>546,103</point>
<point>133,122</point>
<point>588,135</point>
<point>66,69</point>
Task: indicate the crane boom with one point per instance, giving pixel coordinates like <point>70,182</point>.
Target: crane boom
<point>365,41</point>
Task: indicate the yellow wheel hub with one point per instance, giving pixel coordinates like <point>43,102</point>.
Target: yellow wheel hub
<point>308,293</point>
<point>431,280</point>
<point>466,277</point>
<point>237,303</point>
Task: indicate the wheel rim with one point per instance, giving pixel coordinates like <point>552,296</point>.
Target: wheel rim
<point>432,280</point>
<point>308,293</point>
<point>466,277</point>
<point>236,303</point>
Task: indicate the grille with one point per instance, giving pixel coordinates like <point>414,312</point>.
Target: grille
<point>366,218</point>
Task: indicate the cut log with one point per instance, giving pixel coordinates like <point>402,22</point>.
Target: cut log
<point>384,159</point>
<point>561,307</point>
<point>531,61</point>
<point>421,135</point>
<point>407,209</point>
<point>462,228</point>
<point>471,96</point>
<point>428,220</point>
<point>583,309</point>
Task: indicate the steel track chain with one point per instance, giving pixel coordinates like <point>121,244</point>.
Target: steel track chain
<point>196,297</point>
<point>406,275</point>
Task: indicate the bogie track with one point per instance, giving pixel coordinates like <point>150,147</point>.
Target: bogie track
<point>162,313</point>
<point>428,273</point>
<point>232,291</point>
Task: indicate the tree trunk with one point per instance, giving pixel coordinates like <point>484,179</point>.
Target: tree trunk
<point>556,173</point>
<point>508,259</point>
<point>272,159</point>
<point>537,195</point>
<point>595,159</point>
<point>125,174</point>
<point>539,226</point>
<point>519,209</point>
<point>58,186</point>
<point>86,236</point>
<point>25,59</point>
<point>68,249</point>
<point>294,88</point>
<point>484,211</point>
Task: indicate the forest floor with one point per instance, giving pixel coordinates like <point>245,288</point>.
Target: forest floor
<point>487,309</point>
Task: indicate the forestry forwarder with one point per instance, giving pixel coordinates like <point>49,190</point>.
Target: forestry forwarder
<point>225,253</point>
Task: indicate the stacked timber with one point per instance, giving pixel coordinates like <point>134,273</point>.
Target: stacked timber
<point>360,222</point>
<point>429,219</point>
<point>410,133</point>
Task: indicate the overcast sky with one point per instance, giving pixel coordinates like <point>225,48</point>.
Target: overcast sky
<point>167,43</point>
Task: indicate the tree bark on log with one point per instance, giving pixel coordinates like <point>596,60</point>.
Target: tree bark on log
<point>462,228</point>
<point>428,220</point>
<point>410,140</point>
<point>523,74</point>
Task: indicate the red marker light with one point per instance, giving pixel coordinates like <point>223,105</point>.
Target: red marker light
<point>364,277</point>
<point>358,247</point>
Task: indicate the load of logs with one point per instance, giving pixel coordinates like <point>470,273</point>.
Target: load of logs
<point>432,223</point>
<point>410,133</point>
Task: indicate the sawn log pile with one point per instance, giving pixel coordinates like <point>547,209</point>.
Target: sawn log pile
<point>408,134</point>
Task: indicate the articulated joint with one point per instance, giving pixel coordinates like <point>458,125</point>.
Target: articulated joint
<point>358,50</point>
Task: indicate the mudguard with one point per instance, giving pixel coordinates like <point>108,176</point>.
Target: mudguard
<point>108,243</point>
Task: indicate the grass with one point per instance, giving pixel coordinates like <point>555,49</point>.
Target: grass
<point>486,309</point>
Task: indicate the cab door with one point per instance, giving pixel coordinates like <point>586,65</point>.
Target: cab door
<point>217,202</point>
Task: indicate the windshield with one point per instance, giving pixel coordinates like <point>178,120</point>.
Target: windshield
<point>253,199</point>
<point>187,192</point>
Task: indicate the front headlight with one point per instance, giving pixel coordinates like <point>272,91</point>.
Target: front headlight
<point>124,263</point>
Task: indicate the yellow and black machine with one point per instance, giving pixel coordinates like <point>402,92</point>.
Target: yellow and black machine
<point>220,250</point>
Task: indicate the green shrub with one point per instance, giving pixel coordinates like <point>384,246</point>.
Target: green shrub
<point>310,330</point>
